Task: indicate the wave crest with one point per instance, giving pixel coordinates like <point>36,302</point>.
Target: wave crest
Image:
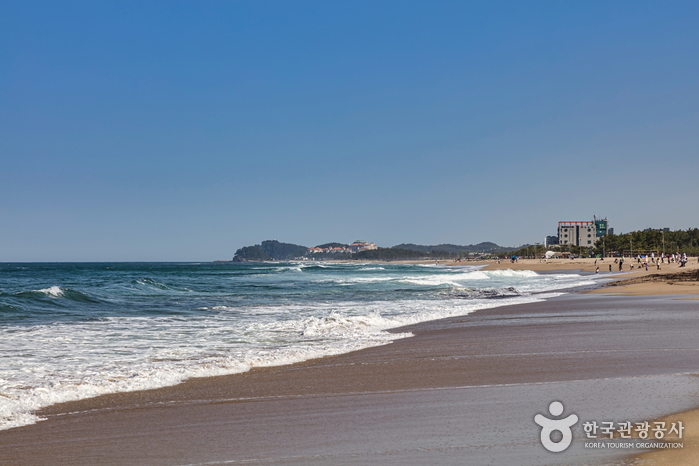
<point>54,291</point>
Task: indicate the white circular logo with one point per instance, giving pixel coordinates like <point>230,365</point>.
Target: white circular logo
<point>548,426</point>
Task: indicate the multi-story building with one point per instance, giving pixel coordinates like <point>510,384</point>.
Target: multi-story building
<point>577,234</point>
<point>580,233</point>
<point>601,226</point>
<point>550,241</point>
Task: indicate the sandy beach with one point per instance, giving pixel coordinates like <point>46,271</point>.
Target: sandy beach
<point>463,390</point>
<point>277,233</point>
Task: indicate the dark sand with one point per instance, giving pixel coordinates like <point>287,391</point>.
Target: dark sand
<point>462,391</point>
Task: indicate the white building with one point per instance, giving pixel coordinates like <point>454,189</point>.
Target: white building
<point>576,234</point>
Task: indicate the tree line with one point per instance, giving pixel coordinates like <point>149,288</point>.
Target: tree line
<point>646,241</point>
<point>633,243</point>
<point>269,250</point>
<point>397,254</point>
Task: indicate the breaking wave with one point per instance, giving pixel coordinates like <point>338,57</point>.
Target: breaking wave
<point>111,328</point>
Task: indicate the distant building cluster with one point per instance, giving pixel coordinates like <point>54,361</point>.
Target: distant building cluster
<point>580,233</point>
<point>357,246</point>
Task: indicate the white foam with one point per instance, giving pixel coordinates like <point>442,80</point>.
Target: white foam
<point>354,280</point>
<point>136,353</point>
<point>45,364</point>
<point>524,280</point>
<point>54,291</point>
<point>431,281</point>
<point>510,273</point>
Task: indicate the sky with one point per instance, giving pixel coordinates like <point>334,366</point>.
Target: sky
<point>182,131</point>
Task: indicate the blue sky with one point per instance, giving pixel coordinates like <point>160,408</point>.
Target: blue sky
<point>185,130</point>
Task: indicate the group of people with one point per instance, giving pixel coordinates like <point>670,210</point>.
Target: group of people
<point>644,260</point>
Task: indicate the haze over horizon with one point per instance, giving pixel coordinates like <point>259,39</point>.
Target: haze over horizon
<point>184,131</point>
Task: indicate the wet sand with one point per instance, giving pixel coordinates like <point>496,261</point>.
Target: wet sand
<point>667,282</point>
<point>461,391</point>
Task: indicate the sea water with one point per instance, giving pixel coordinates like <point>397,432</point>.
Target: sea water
<point>73,331</point>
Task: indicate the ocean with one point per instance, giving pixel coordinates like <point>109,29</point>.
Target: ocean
<point>72,331</point>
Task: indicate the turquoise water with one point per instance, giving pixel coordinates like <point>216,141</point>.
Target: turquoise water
<point>71,331</point>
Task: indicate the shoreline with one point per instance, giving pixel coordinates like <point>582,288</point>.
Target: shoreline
<point>587,265</point>
<point>447,354</point>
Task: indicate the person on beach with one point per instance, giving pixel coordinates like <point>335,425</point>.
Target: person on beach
<point>597,271</point>
<point>610,267</point>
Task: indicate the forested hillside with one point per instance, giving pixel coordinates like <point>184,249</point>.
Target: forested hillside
<point>485,247</point>
<point>395,254</point>
<point>269,250</point>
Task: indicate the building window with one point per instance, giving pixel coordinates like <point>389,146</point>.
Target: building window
<point>589,236</point>
<point>589,242</point>
<point>565,236</point>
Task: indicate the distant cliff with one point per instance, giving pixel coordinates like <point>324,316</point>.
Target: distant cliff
<point>269,250</point>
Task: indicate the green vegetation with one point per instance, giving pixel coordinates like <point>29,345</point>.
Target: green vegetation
<point>657,241</point>
<point>396,254</point>
<point>526,252</point>
<point>332,245</point>
<point>636,242</point>
<point>269,250</point>
<point>250,253</point>
<point>274,250</point>
<point>578,251</point>
<point>485,247</point>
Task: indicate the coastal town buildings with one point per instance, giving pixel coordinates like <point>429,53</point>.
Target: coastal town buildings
<point>362,246</point>
<point>357,246</point>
